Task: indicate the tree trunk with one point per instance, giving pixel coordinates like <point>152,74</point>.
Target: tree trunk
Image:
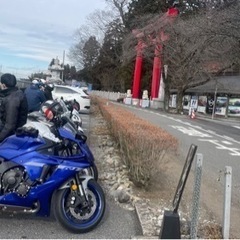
<point>180,93</point>
<point>166,99</point>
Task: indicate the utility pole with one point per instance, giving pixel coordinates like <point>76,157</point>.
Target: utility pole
<point>63,63</point>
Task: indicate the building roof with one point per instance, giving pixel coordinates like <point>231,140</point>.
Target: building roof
<point>223,84</point>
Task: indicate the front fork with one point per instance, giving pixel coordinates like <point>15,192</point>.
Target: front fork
<point>82,182</point>
<point>78,188</point>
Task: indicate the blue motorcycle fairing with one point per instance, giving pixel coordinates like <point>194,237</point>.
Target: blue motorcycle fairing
<point>34,165</point>
<point>66,134</point>
<point>33,161</point>
<point>43,193</point>
<point>87,152</point>
<point>14,146</point>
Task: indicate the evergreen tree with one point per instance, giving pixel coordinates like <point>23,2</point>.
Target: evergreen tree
<point>139,10</point>
<point>90,52</point>
<point>109,61</point>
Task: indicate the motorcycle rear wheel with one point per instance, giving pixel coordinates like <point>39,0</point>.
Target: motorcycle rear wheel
<point>74,219</point>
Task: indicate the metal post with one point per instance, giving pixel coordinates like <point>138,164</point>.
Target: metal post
<point>63,64</point>
<point>196,196</point>
<point>215,100</point>
<point>227,202</point>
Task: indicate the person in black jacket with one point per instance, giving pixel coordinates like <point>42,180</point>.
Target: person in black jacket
<point>47,89</point>
<point>13,106</point>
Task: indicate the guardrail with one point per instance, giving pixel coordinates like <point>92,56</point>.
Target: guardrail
<point>109,95</point>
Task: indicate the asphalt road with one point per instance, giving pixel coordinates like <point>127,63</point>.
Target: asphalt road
<point>218,142</point>
<point>117,222</point>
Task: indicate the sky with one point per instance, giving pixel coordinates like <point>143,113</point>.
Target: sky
<point>33,32</point>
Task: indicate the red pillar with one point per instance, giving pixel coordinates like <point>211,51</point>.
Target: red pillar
<point>138,68</point>
<point>137,76</point>
<point>157,62</point>
<point>138,64</point>
<point>172,12</point>
<point>157,70</point>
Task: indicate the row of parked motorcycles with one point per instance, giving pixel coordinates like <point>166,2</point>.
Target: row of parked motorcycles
<point>47,167</point>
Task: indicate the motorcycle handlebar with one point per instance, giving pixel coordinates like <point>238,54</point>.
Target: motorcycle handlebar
<point>60,118</point>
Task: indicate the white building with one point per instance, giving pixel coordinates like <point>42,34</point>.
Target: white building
<point>54,72</point>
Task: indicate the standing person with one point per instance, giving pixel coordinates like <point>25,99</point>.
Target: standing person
<point>48,88</point>
<point>13,106</point>
<point>35,96</point>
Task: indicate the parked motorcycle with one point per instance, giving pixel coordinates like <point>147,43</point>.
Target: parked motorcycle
<point>44,121</point>
<point>74,104</point>
<point>40,173</point>
<point>72,113</point>
<point>73,107</point>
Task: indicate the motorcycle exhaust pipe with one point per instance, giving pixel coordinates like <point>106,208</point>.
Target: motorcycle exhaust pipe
<point>19,209</point>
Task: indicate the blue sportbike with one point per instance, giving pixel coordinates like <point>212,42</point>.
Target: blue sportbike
<point>44,167</point>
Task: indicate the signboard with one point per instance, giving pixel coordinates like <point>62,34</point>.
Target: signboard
<point>221,106</point>
<point>202,104</point>
<point>173,101</point>
<point>210,104</point>
<point>194,103</point>
<point>234,107</point>
<point>186,102</point>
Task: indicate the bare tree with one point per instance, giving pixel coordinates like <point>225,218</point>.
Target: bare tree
<point>97,24</point>
<point>120,8</point>
<point>192,46</point>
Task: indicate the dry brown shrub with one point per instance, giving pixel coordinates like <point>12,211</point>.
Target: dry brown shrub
<point>210,231</point>
<point>143,145</point>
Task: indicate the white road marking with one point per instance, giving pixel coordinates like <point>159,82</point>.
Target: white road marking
<point>191,131</point>
<point>226,142</point>
<point>204,137</point>
<point>233,151</point>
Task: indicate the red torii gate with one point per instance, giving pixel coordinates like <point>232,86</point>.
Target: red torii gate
<point>157,62</point>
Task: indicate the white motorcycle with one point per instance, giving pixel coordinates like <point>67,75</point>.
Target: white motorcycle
<point>69,111</point>
<point>72,106</point>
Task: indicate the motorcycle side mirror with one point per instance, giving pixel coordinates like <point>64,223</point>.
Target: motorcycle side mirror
<point>81,136</point>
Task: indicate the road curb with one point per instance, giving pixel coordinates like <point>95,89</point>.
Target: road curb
<point>148,226</point>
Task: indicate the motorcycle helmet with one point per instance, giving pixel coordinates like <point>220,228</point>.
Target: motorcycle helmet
<point>43,81</point>
<point>51,108</point>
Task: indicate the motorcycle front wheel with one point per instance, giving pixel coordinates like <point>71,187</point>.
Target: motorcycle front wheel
<point>80,219</point>
<point>93,171</point>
